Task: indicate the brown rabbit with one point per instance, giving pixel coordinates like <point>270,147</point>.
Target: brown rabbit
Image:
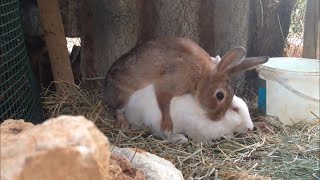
<point>175,66</point>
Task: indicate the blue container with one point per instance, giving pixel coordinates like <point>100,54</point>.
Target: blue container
<point>262,104</point>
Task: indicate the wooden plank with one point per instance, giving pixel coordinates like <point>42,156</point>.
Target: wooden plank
<point>55,40</point>
<point>311,30</point>
<point>318,41</point>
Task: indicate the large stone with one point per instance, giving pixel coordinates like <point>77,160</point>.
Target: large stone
<point>67,147</point>
<point>154,167</point>
<point>11,127</point>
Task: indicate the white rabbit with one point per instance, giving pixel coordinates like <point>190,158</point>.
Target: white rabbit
<point>188,117</point>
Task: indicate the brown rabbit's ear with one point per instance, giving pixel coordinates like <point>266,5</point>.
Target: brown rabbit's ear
<point>231,59</point>
<point>249,63</point>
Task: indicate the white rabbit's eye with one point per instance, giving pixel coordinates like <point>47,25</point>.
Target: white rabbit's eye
<point>220,95</point>
<point>235,109</point>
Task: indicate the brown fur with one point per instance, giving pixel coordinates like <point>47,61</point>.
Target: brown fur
<point>176,66</point>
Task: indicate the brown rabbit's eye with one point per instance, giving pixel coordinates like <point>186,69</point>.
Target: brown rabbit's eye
<point>220,95</point>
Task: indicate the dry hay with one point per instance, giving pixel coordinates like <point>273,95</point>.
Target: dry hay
<point>272,151</point>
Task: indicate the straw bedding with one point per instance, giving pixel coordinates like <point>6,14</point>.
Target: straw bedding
<point>271,151</point>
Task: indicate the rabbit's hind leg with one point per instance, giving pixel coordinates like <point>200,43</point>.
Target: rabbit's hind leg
<point>121,121</point>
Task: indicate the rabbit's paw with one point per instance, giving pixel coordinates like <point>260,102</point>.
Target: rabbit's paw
<point>178,139</point>
<point>121,121</point>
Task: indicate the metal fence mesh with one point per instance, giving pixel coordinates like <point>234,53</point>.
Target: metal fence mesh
<point>19,95</point>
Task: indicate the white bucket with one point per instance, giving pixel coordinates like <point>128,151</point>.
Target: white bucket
<point>292,88</point>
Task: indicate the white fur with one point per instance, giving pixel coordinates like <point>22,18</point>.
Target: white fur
<point>216,59</point>
<point>188,117</point>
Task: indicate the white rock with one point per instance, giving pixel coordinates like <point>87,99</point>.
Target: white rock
<point>153,166</point>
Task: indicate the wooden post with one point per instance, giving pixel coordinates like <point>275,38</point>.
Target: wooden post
<point>318,41</point>
<point>55,40</point>
<point>311,40</point>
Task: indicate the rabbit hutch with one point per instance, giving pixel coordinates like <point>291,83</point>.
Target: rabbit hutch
<point>55,55</point>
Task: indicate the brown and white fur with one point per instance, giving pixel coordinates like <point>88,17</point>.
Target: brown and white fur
<point>189,118</point>
<point>175,66</point>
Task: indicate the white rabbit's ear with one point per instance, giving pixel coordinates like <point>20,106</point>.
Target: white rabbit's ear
<point>216,60</point>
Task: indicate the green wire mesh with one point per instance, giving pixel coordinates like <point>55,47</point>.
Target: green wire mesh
<point>19,93</point>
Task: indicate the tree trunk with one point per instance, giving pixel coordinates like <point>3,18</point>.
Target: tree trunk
<point>70,12</point>
<point>271,20</point>
<point>108,30</point>
<point>231,24</point>
<point>207,26</point>
<point>311,41</point>
<point>179,18</point>
<point>148,14</point>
